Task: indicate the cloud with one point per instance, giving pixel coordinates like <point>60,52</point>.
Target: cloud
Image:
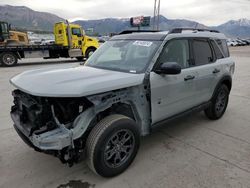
<point>209,12</point>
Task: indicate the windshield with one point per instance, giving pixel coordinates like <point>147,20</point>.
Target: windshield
<point>124,55</point>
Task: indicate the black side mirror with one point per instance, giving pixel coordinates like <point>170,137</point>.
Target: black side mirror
<point>169,68</point>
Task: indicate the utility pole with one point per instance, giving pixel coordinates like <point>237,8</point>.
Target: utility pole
<point>156,18</point>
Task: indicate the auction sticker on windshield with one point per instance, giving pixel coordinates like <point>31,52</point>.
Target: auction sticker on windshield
<point>143,43</point>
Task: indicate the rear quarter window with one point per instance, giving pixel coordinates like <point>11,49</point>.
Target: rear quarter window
<point>223,46</point>
<point>217,51</point>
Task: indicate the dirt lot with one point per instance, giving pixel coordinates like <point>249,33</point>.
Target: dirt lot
<point>191,152</point>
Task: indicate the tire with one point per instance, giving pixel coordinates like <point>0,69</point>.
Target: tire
<point>89,52</point>
<point>8,59</point>
<point>79,58</point>
<point>107,154</point>
<point>219,103</point>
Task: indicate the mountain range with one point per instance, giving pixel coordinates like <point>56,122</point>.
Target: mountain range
<point>108,25</point>
<point>26,18</point>
<point>235,28</point>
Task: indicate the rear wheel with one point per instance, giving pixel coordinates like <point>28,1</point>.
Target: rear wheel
<point>8,59</point>
<point>219,103</point>
<point>112,145</point>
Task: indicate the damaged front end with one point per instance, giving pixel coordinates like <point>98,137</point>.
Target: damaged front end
<point>47,123</point>
<point>61,125</point>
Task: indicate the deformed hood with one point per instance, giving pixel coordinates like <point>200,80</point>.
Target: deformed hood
<point>74,81</point>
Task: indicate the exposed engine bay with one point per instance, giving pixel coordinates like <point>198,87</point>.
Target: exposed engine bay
<point>60,126</point>
<point>42,112</point>
<point>38,115</point>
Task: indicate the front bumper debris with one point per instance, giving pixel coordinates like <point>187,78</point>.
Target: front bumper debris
<point>56,139</point>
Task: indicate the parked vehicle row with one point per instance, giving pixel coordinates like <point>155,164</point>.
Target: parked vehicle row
<point>238,42</point>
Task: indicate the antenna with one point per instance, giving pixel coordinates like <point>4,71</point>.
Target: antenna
<point>156,18</point>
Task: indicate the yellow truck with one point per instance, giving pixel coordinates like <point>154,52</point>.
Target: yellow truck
<point>70,41</point>
<point>73,35</point>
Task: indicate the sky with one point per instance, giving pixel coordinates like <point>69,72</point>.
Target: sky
<point>208,12</point>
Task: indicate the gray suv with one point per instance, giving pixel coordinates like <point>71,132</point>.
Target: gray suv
<point>130,85</point>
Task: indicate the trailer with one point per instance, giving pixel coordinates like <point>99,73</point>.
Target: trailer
<point>9,55</point>
<point>70,42</point>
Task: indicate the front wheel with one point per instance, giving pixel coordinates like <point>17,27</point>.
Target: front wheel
<point>112,145</point>
<point>89,52</point>
<point>219,103</point>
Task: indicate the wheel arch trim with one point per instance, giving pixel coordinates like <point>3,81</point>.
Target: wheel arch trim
<point>227,80</point>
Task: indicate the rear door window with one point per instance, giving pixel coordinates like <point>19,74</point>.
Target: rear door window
<point>202,52</point>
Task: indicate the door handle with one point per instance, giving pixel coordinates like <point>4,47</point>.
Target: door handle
<point>189,77</point>
<point>216,71</point>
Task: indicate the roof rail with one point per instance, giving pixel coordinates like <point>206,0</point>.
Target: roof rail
<point>179,30</point>
<point>137,31</point>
